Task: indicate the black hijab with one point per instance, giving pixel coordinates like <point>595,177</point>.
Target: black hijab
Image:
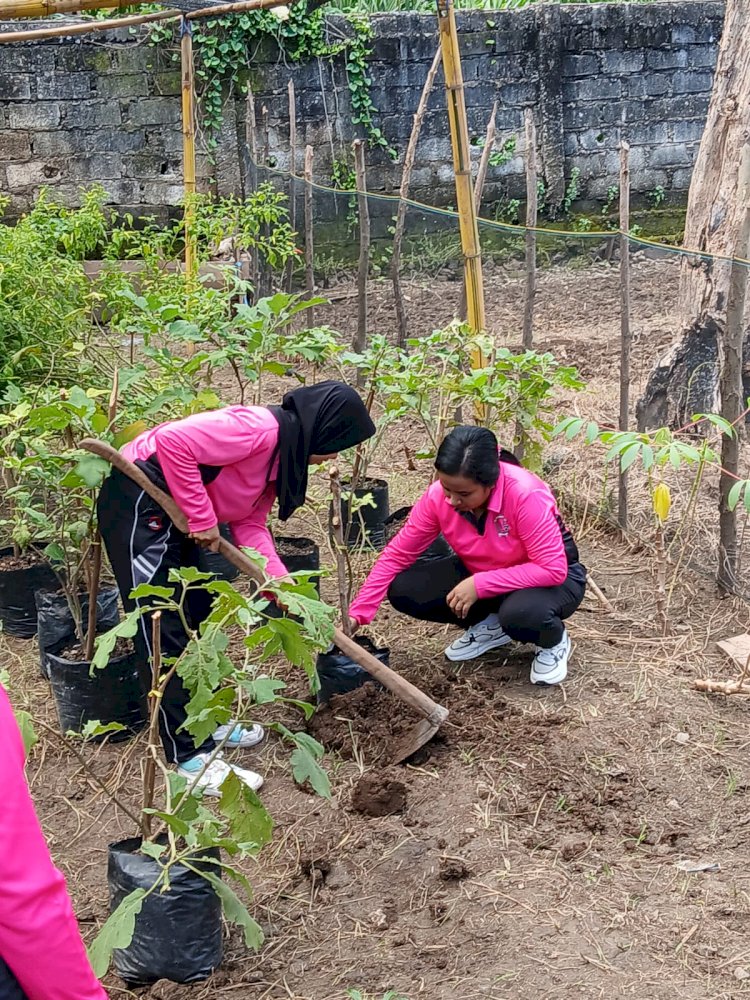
<point>315,420</point>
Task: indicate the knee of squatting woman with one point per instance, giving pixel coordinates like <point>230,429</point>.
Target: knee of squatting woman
<point>227,465</point>
<point>515,571</point>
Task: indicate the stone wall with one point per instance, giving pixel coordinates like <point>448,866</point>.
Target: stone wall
<point>106,108</point>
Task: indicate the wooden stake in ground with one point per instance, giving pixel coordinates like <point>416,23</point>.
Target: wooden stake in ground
<point>292,177</point>
<point>730,381</point>
<point>484,163</point>
<point>625,334</point>
<point>188,148</point>
<point>532,211</point>
<point>359,343</point>
<point>398,235</point>
<point>309,275</point>
<point>154,700</point>
<point>338,541</point>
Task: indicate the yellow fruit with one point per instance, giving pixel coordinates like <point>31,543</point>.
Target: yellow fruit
<point>662,500</point>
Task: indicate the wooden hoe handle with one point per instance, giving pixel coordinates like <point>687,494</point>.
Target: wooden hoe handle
<point>395,683</point>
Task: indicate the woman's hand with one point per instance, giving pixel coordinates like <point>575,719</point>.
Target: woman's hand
<point>353,625</point>
<point>462,597</point>
<point>208,539</point>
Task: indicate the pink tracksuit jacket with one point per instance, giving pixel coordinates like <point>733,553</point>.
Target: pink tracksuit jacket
<point>522,545</point>
<point>39,937</point>
<point>241,439</point>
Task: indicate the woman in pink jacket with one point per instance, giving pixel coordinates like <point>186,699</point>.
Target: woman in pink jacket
<point>514,573</point>
<point>41,953</point>
<point>230,466</point>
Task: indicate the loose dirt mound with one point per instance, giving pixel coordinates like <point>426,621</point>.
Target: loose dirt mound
<point>377,794</point>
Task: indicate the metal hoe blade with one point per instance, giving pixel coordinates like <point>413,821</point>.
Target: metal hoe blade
<point>417,737</point>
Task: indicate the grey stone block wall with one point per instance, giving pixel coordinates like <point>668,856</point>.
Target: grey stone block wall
<point>106,107</point>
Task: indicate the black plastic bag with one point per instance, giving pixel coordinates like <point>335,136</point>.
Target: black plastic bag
<point>118,693</point>
<point>177,933</point>
<point>17,589</point>
<point>56,628</point>
<point>367,525</point>
<point>338,673</point>
<point>9,988</point>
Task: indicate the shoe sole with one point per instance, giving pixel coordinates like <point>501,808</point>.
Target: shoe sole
<point>477,650</point>
<point>215,793</point>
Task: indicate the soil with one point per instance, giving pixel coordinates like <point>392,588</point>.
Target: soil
<point>395,523</point>
<point>26,560</point>
<point>75,654</point>
<point>367,485</point>
<point>378,794</point>
<point>540,850</point>
<point>297,547</point>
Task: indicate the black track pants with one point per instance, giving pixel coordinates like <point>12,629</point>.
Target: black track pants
<point>535,614</point>
<point>143,545</point>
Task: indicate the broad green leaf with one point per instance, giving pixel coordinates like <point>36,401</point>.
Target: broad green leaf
<point>26,727</point>
<point>306,768</point>
<point>592,432</point>
<point>235,911</point>
<point>217,711</point>
<point>129,433</point>
<point>117,932</point>
<point>573,428</point>
<point>734,494</point>
<point>176,823</point>
<point>629,455</point>
<point>106,643</point>
<point>94,728</point>
<point>248,818</point>
<point>150,590</point>
<point>92,470</point>
<point>152,849</point>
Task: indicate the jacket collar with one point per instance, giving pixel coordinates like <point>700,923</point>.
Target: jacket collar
<point>495,502</point>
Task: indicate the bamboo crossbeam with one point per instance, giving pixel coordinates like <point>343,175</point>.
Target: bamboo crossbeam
<point>44,8</point>
<point>110,24</point>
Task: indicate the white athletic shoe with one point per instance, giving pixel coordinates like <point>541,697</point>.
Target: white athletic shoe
<point>550,666</point>
<point>212,778</point>
<point>478,639</point>
<point>239,737</point>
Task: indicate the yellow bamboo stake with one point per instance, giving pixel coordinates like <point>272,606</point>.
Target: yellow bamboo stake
<point>454,86</point>
<point>188,158</point>
<point>43,8</point>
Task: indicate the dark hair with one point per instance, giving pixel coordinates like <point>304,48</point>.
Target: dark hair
<point>469,452</point>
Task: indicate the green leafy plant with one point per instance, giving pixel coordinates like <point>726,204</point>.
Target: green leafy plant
<point>221,686</point>
<point>572,190</point>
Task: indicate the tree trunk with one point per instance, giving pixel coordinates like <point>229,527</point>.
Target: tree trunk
<point>685,381</point>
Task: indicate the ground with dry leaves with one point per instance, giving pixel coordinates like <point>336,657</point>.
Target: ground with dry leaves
<point>541,846</point>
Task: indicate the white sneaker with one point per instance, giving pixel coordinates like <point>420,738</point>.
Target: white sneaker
<point>210,781</point>
<point>239,737</point>
<point>478,639</point>
<point>550,666</point>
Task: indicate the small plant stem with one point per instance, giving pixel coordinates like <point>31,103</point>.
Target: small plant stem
<point>661,580</point>
<point>338,535</point>
<point>154,701</point>
<point>88,769</point>
<point>95,577</point>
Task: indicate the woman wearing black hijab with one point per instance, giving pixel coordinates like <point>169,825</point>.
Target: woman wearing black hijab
<point>225,466</point>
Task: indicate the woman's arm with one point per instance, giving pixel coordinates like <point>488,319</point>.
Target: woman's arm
<point>253,532</point>
<point>217,438</point>
<point>537,526</point>
<point>420,530</point>
<point>39,937</point>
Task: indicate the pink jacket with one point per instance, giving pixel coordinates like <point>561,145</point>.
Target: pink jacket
<point>522,545</point>
<point>39,937</point>
<point>241,439</point>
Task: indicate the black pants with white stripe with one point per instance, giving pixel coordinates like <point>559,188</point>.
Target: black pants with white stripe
<point>143,545</point>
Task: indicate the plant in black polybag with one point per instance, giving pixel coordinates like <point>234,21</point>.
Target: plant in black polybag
<point>169,886</point>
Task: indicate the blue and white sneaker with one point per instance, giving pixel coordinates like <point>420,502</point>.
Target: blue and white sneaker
<point>239,738</point>
<point>478,639</point>
<point>550,666</point>
<point>212,778</point>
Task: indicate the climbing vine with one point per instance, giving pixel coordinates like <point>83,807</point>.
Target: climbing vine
<point>225,48</point>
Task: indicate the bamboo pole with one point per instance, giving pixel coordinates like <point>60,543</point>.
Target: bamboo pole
<point>67,30</point>
<point>532,211</point>
<point>360,338</point>
<point>188,157</point>
<point>625,332</point>
<point>398,235</point>
<point>731,388</point>
<point>309,275</point>
<point>292,176</point>
<point>338,541</point>
<point>469,229</point>
<point>45,8</point>
<point>484,165</point>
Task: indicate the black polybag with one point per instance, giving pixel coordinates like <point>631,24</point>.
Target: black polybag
<point>17,587</point>
<point>116,693</point>
<point>177,933</point>
<point>215,562</point>
<point>338,674</point>
<point>56,628</point>
<point>9,988</point>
